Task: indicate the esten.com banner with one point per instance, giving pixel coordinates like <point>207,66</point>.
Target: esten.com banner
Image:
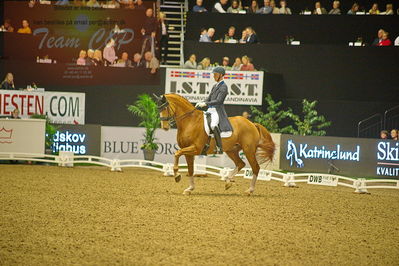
<point>60,107</point>
<point>245,87</point>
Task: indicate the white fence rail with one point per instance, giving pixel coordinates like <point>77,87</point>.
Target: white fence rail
<point>361,185</point>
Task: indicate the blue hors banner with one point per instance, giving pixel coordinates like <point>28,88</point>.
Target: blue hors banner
<point>343,156</point>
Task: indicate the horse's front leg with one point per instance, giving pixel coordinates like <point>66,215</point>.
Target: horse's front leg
<point>190,150</point>
<point>190,168</point>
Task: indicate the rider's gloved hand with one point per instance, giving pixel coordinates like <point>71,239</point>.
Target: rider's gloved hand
<point>200,104</point>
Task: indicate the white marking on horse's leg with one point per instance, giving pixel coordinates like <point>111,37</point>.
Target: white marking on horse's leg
<point>251,188</point>
<point>230,179</point>
<point>192,184</point>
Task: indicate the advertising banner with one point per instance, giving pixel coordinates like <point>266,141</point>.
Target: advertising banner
<point>245,87</point>
<point>60,107</point>
<point>342,156</point>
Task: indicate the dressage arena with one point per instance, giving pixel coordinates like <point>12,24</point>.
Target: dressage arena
<point>88,215</point>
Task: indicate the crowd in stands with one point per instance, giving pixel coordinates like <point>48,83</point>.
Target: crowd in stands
<point>243,63</point>
<point>393,135</point>
<point>270,7</point>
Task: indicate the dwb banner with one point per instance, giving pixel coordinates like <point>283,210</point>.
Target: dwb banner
<point>245,87</point>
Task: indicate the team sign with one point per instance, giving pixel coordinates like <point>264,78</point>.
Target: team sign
<point>60,107</point>
<point>245,87</point>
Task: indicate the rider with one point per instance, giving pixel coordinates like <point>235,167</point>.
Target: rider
<point>215,103</point>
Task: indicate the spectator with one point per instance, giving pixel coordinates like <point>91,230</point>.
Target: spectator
<point>237,64</point>
<point>246,64</point>
<point>266,9</point>
<point>163,27</point>
<point>284,9</point>
<point>79,3</point>
<point>319,10</point>
<point>229,37</point>
<point>90,56</point>
<point>7,26</point>
<point>208,36</point>
<point>235,7</point>
<point>388,11</point>
<point>198,7</point>
<point>220,6</point>
<point>137,62</point>
<point>92,3</point>
<point>62,3</point>
<point>151,62</point>
<point>82,58</point>
<point>354,9</point>
<point>243,37</point>
<point>140,5</point>
<point>109,53</point>
<point>113,4</point>
<point>379,38</point>
<point>254,8</point>
<point>246,115</point>
<point>8,82</point>
<point>25,27</point>
<point>98,58</point>
<point>205,64</point>
<point>130,5</point>
<point>384,134</point>
<point>374,10</point>
<point>251,36</point>
<point>274,8</point>
<point>191,63</point>
<point>397,41</point>
<point>125,61</point>
<point>335,10</point>
<point>385,41</point>
<point>149,31</point>
<point>225,63</point>
<point>15,114</point>
<point>394,134</point>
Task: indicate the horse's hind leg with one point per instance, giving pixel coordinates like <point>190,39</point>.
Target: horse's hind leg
<point>250,154</point>
<point>235,156</point>
<point>190,166</point>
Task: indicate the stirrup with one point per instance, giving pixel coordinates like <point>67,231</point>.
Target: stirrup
<point>218,150</point>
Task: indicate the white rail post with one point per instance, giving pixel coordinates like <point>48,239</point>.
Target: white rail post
<point>360,186</point>
<point>289,180</point>
<point>116,166</point>
<point>168,169</point>
<point>65,158</point>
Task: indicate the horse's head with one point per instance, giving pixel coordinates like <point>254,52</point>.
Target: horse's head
<point>164,111</point>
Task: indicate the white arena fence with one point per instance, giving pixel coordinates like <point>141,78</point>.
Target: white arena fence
<point>68,159</point>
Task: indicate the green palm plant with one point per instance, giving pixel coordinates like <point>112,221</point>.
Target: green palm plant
<point>146,109</point>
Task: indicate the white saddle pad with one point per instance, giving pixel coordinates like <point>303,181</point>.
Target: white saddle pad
<point>226,134</point>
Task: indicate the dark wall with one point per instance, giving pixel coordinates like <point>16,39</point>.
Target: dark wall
<point>307,29</point>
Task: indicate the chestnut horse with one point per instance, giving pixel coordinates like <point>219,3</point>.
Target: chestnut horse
<point>252,138</point>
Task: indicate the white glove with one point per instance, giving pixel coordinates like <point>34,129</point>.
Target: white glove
<point>200,104</point>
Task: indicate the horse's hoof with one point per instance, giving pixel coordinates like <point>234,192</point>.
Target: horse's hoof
<point>177,178</point>
<point>248,192</point>
<point>187,192</point>
<point>228,185</point>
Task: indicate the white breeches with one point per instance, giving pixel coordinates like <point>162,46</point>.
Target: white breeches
<point>214,117</point>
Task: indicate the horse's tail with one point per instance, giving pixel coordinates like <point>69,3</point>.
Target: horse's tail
<point>266,146</point>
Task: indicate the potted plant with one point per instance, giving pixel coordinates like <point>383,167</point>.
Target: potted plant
<point>146,109</point>
<point>50,132</point>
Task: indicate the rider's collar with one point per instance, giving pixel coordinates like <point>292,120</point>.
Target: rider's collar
<point>217,84</point>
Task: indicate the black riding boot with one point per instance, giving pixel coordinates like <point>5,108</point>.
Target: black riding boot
<point>218,140</point>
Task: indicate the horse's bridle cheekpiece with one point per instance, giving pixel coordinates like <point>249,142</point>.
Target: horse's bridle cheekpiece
<point>164,104</point>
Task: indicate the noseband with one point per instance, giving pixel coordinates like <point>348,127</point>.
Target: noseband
<point>171,118</point>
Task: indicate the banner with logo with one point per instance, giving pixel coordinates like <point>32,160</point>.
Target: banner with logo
<point>342,156</point>
<point>60,107</point>
<point>245,87</point>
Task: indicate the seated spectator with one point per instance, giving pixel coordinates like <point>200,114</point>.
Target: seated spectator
<point>79,3</point>
<point>266,9</point>
<point>25,27</point>
<point>284,9</point>
<point>379,38</point>
<point>251,36</point>
<point>243,37</point>
<point>125,61</point>
<point>388,11</point>
<point>220,6</point>
<point>394,134</point>
<point>237,64</point>
<point>274,8</point>
<point>62,3</point>
<point>354,9</point>
<point>246,64</point>
<point>384,134</point>
<point>198,6</point>
<point>112,4</point>
<point>8,82</point>
<point>235,7</point>
<point>15,114</point>
<point>140,5</point>
<point>92,3</point>
<point>130,5</point>
<point>98,58</point>
<point>7,26</point>
<point>205,64</point>
<point>319,10</point>
<point>335,10</point>
<point>385,41</point>
<point>89,58</point>
<point>82,58</point>
<point>191,63</point>
<point>374,10</point>
<point>225,63</point>
<point>137,61</point>
<point>397,41</point>
<point>208,36</point>
<point>151,62</point>
<point>254,8</point>
<point>109,53</point>
<point>229,37</point>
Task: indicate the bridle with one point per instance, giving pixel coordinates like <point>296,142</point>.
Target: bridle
<point>171,117</point>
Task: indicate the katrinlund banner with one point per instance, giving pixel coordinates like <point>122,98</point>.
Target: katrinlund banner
<point>245,87</point>
<point>60,107</point>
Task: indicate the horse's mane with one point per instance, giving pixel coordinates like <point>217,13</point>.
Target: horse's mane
<point>179,100</point>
